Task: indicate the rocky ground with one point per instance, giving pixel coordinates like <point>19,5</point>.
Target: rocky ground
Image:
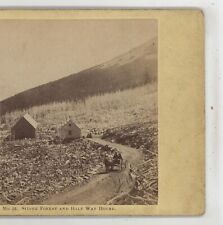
<point>142,136</point>
<point>33,169</point>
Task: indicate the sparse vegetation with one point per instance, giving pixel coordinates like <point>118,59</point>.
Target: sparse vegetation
<point>128,117</point>
<point>116,100</point>
<point>142,136</point>
<point>96,113</point>
<point>132,69</point>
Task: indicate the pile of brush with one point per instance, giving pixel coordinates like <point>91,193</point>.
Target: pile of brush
<point>142,136</point>
<point>33,170</point>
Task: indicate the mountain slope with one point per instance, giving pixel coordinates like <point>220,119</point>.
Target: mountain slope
<point>134,68</point>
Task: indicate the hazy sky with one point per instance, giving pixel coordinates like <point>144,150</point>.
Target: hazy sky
<point>36,52</point>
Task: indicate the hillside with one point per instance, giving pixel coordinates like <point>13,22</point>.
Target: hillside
<point>132,69</point>
<point>96,113</point>
<point>35,170</point>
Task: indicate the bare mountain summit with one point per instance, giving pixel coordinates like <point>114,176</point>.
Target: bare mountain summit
<point>134,68</point>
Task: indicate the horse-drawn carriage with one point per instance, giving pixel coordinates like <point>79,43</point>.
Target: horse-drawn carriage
<point>113,161</point>
<point>111,164</point>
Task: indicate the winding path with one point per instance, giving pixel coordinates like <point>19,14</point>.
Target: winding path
<point>102,187</point>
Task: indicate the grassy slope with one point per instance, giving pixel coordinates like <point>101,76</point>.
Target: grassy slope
<point>132,69</point>
<point>97,112</point>
<point>122,108</point>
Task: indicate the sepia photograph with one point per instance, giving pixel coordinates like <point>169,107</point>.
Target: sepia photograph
<point>79,112</point>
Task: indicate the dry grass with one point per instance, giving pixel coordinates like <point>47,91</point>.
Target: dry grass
<point>99,112</point>
<point>128,107</point>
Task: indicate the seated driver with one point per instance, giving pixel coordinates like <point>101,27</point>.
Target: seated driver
<point>117,156</point>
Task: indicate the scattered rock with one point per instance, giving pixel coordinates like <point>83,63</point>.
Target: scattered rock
<point>31,170</point>
<point>142,136</point>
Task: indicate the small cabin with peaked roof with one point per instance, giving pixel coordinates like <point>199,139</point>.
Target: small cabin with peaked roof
<point>69,130</point>
<point>25,127</point>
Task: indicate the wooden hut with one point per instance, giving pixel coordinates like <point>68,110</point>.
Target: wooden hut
<point>69,130</point>
<point>24,128</point>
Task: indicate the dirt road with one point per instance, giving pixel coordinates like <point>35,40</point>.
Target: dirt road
<point>104,186</point>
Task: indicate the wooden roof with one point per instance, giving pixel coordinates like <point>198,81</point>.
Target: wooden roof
<point>29,119</point>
